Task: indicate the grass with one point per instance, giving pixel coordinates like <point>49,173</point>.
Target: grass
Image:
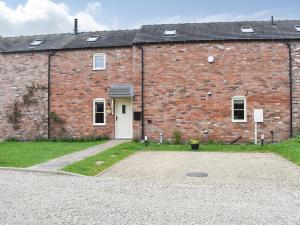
<point>289,149</point>
<point>109,157</point>
<point>26,154</point>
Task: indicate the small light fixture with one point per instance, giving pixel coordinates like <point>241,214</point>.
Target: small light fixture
<point>209,94</point>
<point>146,141</point>
<point>211,59</point>
<point>205,132</point>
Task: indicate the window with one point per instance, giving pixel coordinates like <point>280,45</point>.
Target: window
<point>36,42</point>
<point>99,112</point>
<point>124,109</point>
<point>247,29</point>
<point>170,33</point>
<point>297,27</point>
<point>239,109</point>
<point>92,38</point>
<point>99,61</point>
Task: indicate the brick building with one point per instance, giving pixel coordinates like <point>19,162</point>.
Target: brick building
<point>204,80</point>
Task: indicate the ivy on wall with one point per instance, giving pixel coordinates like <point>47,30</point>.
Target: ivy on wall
<point>14,113</point>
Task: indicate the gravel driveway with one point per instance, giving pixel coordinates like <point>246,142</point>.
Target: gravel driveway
<point>152,189</point>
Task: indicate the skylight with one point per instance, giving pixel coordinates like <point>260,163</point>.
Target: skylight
<point>247,29</point>
<point>297,27</point>
<point>36,42</point>
<point>170,33</point>
<point>92,38</point>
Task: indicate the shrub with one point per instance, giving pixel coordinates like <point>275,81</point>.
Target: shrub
<point>177,137</point>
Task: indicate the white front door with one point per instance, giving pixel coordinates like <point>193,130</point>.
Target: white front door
<point>123,118</point>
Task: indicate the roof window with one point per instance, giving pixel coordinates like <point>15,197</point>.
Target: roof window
<point>92,38</point>
<point>170,33</point>
<point>36,42</point>
<point>247,29</point>
<point>297,27</point>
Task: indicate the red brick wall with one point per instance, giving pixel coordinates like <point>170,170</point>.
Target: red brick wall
<point>178,78</point>
<point>18,71</point>
<point>74,85</point>
<point>296,87</point>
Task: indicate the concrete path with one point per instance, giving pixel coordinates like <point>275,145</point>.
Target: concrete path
<point>59,163</point>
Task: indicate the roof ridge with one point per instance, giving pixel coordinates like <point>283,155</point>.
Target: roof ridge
<point>69,33</point>
<point>220,22</point>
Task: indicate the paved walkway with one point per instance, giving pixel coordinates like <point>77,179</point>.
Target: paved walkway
<point>59,163</point>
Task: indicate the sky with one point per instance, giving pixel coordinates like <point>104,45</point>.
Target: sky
<point>26,17</point>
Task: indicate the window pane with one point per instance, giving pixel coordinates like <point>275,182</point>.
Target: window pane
<point>99,64</point>
<point>99,117</point>
<point>99,107</point>
<point>238,104</point>
<point>239,114</point>
<point>123,109</point>
<point>99,61</point>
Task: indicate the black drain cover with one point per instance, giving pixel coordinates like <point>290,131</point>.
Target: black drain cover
<point>197,174</point>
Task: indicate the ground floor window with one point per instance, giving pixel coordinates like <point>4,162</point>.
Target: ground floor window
<point>239,109</point>
<point>99,112</point>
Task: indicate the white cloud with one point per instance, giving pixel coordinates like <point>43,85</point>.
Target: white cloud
<point>93,8</point>
<point>46,16</point>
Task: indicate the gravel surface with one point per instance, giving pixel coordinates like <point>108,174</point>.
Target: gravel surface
<point>31,198</point>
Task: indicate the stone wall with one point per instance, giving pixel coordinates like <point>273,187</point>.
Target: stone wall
<point>19,72</point>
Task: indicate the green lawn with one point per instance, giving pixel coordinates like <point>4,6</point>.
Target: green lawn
<point>109,157</point>
<point>288,149</point>
<point>26,154</point>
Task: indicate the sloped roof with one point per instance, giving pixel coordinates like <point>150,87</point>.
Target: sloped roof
<point>50,42</point>
<point>106,39</point>
<point>121,91</point>
<point>263,30</point>
<point>70,41</point>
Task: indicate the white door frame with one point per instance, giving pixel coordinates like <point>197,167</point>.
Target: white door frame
<point>116,101</point>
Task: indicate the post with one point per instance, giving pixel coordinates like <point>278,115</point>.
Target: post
<point>255,133</point>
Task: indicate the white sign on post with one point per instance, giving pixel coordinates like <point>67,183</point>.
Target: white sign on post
<point>258,118</point>
<point>258,115</point>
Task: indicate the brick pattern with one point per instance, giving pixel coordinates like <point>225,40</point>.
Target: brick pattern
<point>296,87</point>
<point>179,77</point>
<point>74,85</point>
<point>18,71</point>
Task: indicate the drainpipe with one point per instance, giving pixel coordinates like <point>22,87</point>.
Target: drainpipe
<point>291,88</point>
<point>49,90</point>
<point>143,103</point>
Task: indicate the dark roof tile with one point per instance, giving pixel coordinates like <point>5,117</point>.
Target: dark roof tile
<point>263,30</point>
<point>219,31</point>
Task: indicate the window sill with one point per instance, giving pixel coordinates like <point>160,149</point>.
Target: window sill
<point>99,125</point>
<point>99,69</point>
<point>239,121</point>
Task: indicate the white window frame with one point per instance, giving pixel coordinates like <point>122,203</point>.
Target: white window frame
<point>297,27</point>
<point>94,61</point>
<point>240,98</point>
<point>94,111</point>
<point>247,29</point>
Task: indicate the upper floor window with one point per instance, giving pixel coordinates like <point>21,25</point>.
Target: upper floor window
<point>170,33</point>
<point>239,109</point>
<point>247,29</point>
<point>297,27</point>
<point>36,42</point>
<point>92,38</point>
<point>99,61</point>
